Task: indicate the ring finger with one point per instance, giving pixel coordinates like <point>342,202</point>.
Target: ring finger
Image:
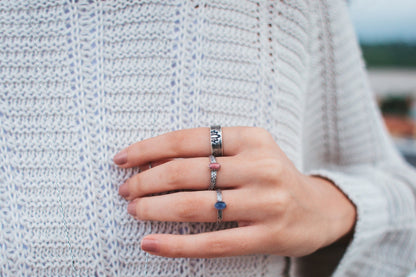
<point>197,206</point>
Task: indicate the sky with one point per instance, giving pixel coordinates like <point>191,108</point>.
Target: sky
<point>384,20</point>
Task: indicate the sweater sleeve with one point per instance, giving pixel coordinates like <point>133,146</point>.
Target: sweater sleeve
<point>384,240</point>
<point>360,159</point>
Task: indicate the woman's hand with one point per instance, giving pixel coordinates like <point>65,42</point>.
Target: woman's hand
<point>279,210</point>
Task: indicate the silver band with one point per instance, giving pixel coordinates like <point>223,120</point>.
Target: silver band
<point>216,140</point>
<point>213,181</point>
<point>219,205</point>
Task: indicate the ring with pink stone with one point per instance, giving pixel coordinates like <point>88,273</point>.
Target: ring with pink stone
<point>214,167</point>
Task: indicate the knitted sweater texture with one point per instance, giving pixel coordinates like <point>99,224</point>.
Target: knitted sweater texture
<point>82,79</point>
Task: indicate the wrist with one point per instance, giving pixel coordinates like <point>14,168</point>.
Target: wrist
<point>337,211</point>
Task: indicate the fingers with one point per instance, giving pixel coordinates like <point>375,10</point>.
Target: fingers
<point>223,243</point>
<point>189,143</point>
<point>195,206</point>
<point>179,161</point>
<point>187,174</point>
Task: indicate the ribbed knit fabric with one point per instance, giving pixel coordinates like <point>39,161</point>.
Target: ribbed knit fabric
<point>80,80</point>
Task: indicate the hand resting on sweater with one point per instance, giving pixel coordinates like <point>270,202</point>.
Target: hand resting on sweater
<point>278,209</point>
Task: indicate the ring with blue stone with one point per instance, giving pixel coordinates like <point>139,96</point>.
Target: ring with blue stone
<point>219,205</point>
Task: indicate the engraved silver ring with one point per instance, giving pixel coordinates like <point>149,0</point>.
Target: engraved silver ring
<point>216,140</point>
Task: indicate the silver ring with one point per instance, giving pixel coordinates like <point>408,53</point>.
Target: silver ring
<point>219,205</point>
<point>214,167</point>
<point>216,140</point>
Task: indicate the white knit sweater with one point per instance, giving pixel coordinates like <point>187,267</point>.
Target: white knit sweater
<point>80,80</point>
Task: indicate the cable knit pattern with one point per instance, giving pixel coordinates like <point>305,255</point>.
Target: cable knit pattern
<point>81,79</point>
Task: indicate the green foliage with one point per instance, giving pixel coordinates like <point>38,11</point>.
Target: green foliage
<point>390,55</point>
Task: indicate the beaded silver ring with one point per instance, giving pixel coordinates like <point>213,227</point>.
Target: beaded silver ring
<point>214,167</point>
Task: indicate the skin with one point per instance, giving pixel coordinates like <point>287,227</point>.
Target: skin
<point>278,209</point>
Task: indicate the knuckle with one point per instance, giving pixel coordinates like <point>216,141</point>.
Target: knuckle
<point>142,210</point>
<point>256,137</point>
<point>278,202</point>
<point>272,170</point>
<point>174,174</point>
<point>278,168</point>
<point>134,185</point>
<point>187,208</point>
<point>217,247</point>
<point>176,249</point>
<point>282,199</point>
<point>176,141</point>
<point>262,134</point>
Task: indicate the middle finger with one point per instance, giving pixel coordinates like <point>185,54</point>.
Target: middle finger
<point>188,174</point>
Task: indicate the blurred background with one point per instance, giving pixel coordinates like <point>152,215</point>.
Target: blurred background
<point>387,33</point>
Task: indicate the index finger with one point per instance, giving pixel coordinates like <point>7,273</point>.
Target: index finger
<point>177,144</point>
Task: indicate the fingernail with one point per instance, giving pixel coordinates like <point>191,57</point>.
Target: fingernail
<point>131,208</point>
<point>123,190</point>
<point>150,245</point>
<point>121,157</point>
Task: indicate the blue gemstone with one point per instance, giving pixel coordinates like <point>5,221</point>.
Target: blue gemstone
<point>220,205</point>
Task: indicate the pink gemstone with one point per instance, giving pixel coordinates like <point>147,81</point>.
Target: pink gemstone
<point>214,166</point>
